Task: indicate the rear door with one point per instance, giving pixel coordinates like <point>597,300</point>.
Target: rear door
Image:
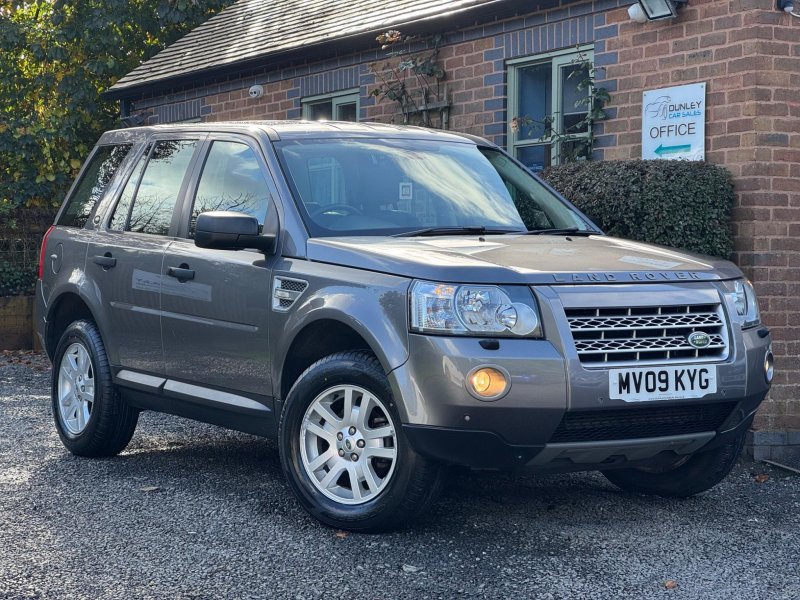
<point>215,314</point>
<point>63,263</point>
<point>126,254</point>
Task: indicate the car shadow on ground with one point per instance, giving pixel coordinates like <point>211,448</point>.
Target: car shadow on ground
<point>188,458</point>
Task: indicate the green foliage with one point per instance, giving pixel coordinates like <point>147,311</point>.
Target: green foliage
<point>21,232</point>
<point>674,203</point>
<point>17,281</point>
<point>56,59</point>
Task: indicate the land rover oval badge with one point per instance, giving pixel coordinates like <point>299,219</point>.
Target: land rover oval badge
<point>698,339</point>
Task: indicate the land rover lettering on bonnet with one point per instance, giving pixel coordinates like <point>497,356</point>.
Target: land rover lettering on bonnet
<point>369,296</point>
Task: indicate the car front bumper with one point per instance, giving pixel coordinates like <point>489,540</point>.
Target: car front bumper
<point>487,450</point>
<point>530,426</point>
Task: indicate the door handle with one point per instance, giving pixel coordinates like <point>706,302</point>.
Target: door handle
<point>182,273</point>
<point>106,261</point>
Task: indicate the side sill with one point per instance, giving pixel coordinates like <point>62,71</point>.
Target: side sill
<point>217,407</point>
<point>140,381</point>
<point>212,397</point>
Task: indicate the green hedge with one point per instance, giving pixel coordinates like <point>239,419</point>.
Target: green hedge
<point>21,231</point>
<point>674,203</point>
<point>17,281</point>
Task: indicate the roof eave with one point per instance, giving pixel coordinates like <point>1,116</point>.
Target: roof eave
<point>360,41</point>
<point>274,60</point>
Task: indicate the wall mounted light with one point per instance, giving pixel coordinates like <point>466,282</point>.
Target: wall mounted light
<point>636,13</point>
<point>654,10</point>
<point>787,6</point>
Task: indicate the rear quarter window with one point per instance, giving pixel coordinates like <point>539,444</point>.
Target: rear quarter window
<point>92,185</point>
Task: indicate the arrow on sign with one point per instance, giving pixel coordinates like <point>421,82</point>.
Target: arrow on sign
<point>672,149</point>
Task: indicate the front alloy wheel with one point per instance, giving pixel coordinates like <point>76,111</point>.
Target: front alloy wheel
<point>686,476</point>
<point>343,449</point>
<point>348,444</point>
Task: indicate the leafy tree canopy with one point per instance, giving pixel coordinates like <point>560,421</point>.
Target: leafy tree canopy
<point>56,59</point>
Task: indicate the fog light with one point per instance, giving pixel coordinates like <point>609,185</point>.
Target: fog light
<point>769,366</point>
<point>487,383</point>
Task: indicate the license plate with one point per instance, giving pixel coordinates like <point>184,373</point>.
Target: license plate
<point>662,383</point>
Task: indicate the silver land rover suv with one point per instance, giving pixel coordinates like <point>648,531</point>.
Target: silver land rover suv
<point>370,296</point>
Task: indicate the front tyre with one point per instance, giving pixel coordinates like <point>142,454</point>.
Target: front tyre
<point>343,450</point>
<point>91,418</point>
<point>689,476</point>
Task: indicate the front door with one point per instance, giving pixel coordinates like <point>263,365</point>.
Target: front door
<point>215,303</point>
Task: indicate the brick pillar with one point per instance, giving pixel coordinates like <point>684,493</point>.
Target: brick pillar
<point>748,52</point>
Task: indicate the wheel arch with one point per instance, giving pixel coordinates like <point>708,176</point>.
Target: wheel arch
<point>65,309</point>
<point>316,340</point>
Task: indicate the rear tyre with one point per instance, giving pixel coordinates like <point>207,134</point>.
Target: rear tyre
<point>91,418</point>
<point>344,452</point>
<point>689,476</point>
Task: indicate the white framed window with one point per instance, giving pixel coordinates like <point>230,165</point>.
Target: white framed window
<point>547,109</point>
<point>339,106</point>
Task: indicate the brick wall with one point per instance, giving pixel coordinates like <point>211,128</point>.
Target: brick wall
<point>749,54</point>
<point>16,323</point>
<point>473,58</point>
<point>747,51</point>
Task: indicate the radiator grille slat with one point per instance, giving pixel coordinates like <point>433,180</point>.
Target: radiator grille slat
<point>621,336</point>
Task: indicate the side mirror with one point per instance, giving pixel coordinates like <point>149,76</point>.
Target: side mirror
<point>226,230</point>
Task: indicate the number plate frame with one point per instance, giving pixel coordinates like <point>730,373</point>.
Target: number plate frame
<point>648,384</point>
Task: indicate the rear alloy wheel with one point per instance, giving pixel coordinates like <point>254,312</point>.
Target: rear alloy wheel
<point>343,450</point>
<point>91,418</point>
<point>75,389</point>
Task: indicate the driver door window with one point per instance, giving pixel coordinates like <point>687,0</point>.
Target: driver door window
<point>231,180</point>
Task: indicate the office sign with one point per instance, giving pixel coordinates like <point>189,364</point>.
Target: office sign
<point>674,123</point>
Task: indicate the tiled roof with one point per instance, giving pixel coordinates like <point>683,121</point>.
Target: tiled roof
<point>255,29</point>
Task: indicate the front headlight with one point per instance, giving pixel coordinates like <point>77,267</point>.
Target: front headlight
<point>744,299</point>
<point>473,310</point>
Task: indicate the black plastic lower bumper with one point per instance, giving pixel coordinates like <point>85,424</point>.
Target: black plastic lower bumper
<point>475,449</point>
<point>487,450</point>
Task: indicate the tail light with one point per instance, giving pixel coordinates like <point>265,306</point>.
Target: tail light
<point>42,251</point>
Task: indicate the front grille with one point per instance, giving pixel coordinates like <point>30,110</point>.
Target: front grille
<point>641,422</point>
<point>647,334</point>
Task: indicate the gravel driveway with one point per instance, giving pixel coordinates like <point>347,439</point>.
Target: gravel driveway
<point>193,511</point>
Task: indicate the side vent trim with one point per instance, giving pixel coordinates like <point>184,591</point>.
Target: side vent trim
<point>285,292</point>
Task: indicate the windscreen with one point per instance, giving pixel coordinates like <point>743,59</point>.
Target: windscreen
<point>385,187</point>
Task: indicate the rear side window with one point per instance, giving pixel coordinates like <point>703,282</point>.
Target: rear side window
<point>157,192</point>
<point>231,180</point>
<point>93,183</point>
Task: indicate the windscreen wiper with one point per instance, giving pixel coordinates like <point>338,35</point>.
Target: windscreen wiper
<point>561,231</point>
<point>472,230</point>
